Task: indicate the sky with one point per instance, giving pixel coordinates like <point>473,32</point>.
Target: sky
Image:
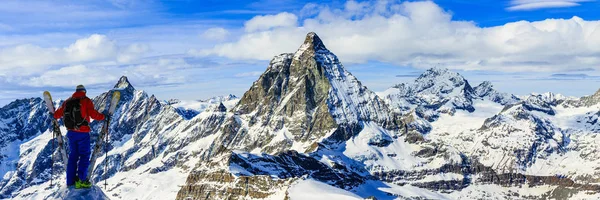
<point>194,50</point>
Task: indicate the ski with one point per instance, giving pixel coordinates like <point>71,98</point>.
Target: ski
<point>116,96</point>
<point>56,128</point>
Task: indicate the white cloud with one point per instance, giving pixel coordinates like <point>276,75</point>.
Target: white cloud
<point>423,35</point>
<point>72,76</point>
<point>131,52</point>
<point>155,71</point>
<point>518,5</point>
<point>31,59</point>
<point>249,74</point>
<point>266,22</point>
<point>218,33</point>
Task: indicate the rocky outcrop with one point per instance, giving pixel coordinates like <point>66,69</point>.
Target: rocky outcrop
<point>585,101</point>
<point>223,185</point>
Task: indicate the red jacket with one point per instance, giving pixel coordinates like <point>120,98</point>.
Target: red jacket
<point>87,111</point>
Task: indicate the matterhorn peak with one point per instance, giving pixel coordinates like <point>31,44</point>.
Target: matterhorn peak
<point>312,43</point>
<point>124,83</point>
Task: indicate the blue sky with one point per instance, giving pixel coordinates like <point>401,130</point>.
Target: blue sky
<point>199,49</point>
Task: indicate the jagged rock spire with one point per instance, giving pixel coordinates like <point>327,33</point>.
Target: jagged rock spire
<point>312,44</point>
<point>313,41</point>
<point>124,83</point>
<point>219,108</point>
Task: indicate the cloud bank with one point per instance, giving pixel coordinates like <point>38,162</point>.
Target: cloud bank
<point>526,5</point>
<point>421,35</point>
<point>27,59</point>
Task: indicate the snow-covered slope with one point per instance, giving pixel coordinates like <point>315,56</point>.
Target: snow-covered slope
<point>94,193</point>
<point>25,155</point>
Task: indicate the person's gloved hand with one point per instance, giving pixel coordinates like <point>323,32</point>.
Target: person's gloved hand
<point>106,115</point>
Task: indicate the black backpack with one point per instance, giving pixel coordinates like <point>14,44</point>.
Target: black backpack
<point>73,119</point>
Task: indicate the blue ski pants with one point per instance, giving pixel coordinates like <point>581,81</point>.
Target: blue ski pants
<point>79,156</point>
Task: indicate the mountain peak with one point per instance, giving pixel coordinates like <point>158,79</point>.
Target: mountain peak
<point>124,83</point>
<point>441,77</point>
<point>437,71</point>
<point>218,108</point>
<point>312,43</point>
<point>313,40</point>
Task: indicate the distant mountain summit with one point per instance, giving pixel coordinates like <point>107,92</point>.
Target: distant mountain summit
<point>190,109</point>
<point>442,90</point>
<point>439,91</point>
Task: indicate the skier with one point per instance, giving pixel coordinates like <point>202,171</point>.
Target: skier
<point>77,112</point>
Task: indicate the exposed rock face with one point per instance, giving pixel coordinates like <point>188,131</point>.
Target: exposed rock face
<point>231,187</point>
<point>590,100</point>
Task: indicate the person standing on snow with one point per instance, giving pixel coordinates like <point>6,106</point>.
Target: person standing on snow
<point>77,112</point>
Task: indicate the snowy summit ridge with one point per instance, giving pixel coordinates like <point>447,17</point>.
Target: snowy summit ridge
<point>440,91</point>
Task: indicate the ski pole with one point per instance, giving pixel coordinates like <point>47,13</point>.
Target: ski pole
<point>52,156</point>
<point>106,153</point>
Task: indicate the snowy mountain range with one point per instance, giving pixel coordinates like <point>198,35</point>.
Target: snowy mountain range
<point>189,109</point>
<point>307,126</point>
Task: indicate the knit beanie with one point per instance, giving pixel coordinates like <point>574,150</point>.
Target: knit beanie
<point>80,88</point>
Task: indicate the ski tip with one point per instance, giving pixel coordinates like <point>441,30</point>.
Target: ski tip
<point>116,95</point>
<point>48,100</point>
<point>47,96</point>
